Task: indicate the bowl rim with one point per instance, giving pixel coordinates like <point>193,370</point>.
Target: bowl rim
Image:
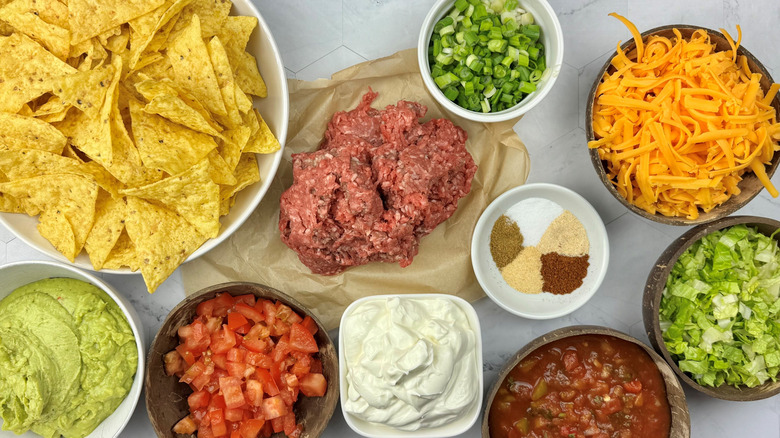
<point>473,320</point>
<point>130,315</point>
<point>599,166</point>
<point>651,302</point>
<point>675,395</point>
<point>198,297</point>
<point>476,237</point>
<point>434,14</point>
<point>253,202</point>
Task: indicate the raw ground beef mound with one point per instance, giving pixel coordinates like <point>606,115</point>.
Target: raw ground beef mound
<point>379,182</point>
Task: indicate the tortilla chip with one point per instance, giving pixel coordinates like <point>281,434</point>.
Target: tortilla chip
<point>67,203</point>
<point>86,90</point>
<point>146,27</point>
<point>162,238</point>
<point>89,18</point>
<point>25,16</point>
<point>20,132</point>
<point>176,110</point>
<point>219,170</point>
<point>212,13</point>
<point>192,68</point>
<point>110,213</point>
<point>165,145</point>
<point>27,71</point>
<point>236,31</point>
<point>118,43</point>
<point>246,173</point>
<point>123,254</point>
<point>247,75</point>
<point>232,145</point>
<point>192,194</point>
<point>127,165</point>
<point>219,61</point>
<point>243,101</point>
<point>263,140</point>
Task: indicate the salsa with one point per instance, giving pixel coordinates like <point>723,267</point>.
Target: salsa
<point>593,386</point>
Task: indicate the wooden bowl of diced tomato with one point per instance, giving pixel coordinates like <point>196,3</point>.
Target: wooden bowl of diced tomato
<point>241,360</point>
<point>586,381</point>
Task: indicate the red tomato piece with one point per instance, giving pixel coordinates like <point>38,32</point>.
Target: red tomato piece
<point>269,386</point>
<point>570,361</point>
<point>231,391</point>
<point>186,355</point>
<point>235,434</point>
<point>218,425</point>
<point>255,345</point>
<point>223,303</point>
<point>186,426</point>
<point>249,312</point>
<point>236,369</point>
<point>195,336</point>
<point>269,311</point>
<point>302,340</point>
<point>313,385</point>
<point>234,414</point>
<point>282,349</point>
<point>236,354</point>
<point>220,360</point>
<point>254,392</point>
<point>267,431</point>
<point>223,340</point>
<point>193,371</point>
<point>198,399</point>
<point>205,432</point>
<point>236,320</point>
<point>259,359</point>
<point>213,324</point>
<point>274,407</point>
<point>634,387</point>
<point>289,424</point>
<point>251,428</point>
<point>286,314</point>
<point>174,363</point>
<point>278,424</point>
<point>310,325</point>
<point>280,328</point>
<point>205,308</point>
<point>248,299</point>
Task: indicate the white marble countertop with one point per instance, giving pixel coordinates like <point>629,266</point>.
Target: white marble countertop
<point>317,38</point>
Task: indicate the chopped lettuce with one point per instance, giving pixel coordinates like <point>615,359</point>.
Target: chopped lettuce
<point>720,312</point>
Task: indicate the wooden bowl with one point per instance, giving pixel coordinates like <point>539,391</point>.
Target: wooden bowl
<point>166,398</point>
<point>654,289</point>
<point>750,185</point>
<point>680,418</point>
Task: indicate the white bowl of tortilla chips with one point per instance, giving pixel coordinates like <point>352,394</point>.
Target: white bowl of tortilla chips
<point>131,141</point>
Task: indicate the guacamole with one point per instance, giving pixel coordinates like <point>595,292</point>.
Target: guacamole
<point>67,358</point>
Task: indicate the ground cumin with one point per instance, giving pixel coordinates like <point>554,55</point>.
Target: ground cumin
<point>505,241</point>
<point>563,274</point>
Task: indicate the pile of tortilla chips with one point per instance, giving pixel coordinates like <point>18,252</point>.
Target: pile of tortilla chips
<point>127,125</point>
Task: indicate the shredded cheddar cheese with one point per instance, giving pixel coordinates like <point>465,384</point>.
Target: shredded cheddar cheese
<point>682,122</point>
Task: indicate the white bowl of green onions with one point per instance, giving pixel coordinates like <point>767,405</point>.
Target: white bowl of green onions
<point>490,60</point>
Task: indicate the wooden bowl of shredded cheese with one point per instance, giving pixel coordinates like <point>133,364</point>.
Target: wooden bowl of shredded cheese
<point>689,134</point>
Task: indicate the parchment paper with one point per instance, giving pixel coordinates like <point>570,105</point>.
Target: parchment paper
<point>443,265</point>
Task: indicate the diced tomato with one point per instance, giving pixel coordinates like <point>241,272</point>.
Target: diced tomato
<point>248,299</point>
<point>213,324</point>
<point>313,385</point>
<point>570,361</point>
<point>269,386</point>
<point>256,345</point>
<point>291,380</point>
<point>259,331</point>
<point>254,392</point>
<point>281,349</point>
<point>310,325</point>
<point>195,336</point>
<point>286,314</point>
<point>302,340</point>
<point>236,320</point>
<point>205,308</point>
<point>287,396</point>
<point>278,424</point>
<point>269,311</point>
<point>235,434</point>
<point>634,386</point>
<point>174,363</point>
<point>236,369</point>
<point>218,425</point>
<point>234,415</point>
<point>611,406</point>
<point>193,371</point>
<point>236,354</point>
<point>251,428</point>
<point>186,355</point>
<point>223,340</point>
<point>231,391</point>
<point>301,367</point>
<point>258,359</point>
<point>274,407</point>
<point>280,328</point>
<point>220,361</point>
<point>198,399</point>
<point>186,426</point>
<point>223,303</point>
<point>205,432</point>
<point>289,424</point>
<point>249,312</point>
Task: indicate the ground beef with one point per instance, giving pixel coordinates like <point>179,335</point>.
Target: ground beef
<point>378,183</point>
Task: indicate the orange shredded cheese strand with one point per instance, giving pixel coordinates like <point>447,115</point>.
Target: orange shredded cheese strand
<point>680,124</point>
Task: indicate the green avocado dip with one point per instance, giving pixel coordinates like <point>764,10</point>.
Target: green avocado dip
<point>67,358</point>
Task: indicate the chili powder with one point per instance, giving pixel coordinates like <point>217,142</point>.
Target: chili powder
<point>563,274</point>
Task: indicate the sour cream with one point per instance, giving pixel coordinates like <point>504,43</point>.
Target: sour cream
<point>411,363</point>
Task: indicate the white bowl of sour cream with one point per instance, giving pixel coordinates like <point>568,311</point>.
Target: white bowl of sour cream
<point>410,366</point>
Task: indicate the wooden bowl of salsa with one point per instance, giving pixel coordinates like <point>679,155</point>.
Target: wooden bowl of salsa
<point>586,381</point>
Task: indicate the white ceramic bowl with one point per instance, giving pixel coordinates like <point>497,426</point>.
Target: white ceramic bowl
<point>552,38</point>
<point>15,275</point>
<point>374,430</point>
<point>544,305</point>
<point>275,109</point>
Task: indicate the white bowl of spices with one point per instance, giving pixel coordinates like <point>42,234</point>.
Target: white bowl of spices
<point>540,251</point>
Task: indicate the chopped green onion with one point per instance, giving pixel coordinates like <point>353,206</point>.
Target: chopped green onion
<point>447,30</point>
<point>499,71</point>
<point>527,87</point>
<point>497,45</point>
<point>532,31</point>
<point>461,5</point>
<point>446,79</point>
<point>451,93</point>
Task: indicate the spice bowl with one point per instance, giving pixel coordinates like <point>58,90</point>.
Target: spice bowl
<point>547,203</point>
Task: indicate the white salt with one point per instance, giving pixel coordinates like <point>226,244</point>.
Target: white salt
<point>533,216</point>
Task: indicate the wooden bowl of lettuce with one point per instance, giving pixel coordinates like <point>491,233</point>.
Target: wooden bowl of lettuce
<point>711,308</point>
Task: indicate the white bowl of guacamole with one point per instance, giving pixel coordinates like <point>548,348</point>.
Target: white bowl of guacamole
<point>71,353</point>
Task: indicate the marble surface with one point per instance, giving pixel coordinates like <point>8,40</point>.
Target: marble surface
<point>318,38</point>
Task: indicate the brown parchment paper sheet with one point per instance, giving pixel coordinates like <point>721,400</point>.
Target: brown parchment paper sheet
<point>256,253</point>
